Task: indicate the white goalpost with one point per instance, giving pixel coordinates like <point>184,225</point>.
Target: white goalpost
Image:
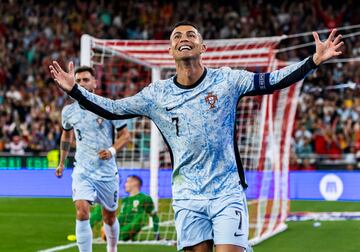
<point>263,127</point>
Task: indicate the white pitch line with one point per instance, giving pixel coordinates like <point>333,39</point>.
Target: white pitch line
<point>59,248</point>
<point>17,214</point>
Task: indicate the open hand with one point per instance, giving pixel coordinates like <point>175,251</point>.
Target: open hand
<point>65,80</point>
<point>327,49</point>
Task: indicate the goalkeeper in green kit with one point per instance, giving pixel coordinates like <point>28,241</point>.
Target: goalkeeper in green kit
<point>134,211</point>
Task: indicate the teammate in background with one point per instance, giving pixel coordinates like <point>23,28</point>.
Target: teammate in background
<point>95,175</point>
<point>195,111</point>
<point>134,211</point>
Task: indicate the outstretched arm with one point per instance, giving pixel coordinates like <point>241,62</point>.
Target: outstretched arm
<point>142,103</point>
<point>266,83</point>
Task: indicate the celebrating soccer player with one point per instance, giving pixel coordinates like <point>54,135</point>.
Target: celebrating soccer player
<point>195,111</point>
<point>95,176</point>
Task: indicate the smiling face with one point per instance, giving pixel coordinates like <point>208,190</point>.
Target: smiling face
<point>186,43</point>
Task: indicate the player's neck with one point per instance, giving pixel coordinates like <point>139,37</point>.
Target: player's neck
<point>133,193</point>
<point>188,72</point>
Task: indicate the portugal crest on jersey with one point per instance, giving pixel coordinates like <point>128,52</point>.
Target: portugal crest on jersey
<point>211,99</point>
<point>99,120</point>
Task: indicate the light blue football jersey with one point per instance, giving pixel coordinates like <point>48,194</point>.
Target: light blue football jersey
<point>93,133</point>
<point>198,123</point>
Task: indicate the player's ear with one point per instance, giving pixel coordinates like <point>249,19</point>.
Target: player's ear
<point>203,48</point>
<point>170,51</point>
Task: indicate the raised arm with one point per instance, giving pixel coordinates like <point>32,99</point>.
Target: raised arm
<point>141,104</point>
<point>265,83</point>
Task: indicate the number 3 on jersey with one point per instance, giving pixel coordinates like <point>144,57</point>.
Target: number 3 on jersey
<point>79,137</point>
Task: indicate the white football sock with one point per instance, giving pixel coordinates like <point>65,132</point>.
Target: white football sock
<point>84,235</point>
<point>112,236</point>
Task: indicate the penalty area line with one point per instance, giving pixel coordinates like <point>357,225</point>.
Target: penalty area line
<point>59,248</point>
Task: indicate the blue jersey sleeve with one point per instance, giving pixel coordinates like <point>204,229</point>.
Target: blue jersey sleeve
<point>141,104</point>
<point>248,83</point>
<point>64,119</point>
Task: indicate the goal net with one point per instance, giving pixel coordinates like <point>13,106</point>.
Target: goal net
<point>263,126</point>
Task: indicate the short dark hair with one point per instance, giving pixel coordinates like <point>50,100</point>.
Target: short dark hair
<point>85,69</point>
<point>189,24</point>
<point>136,177</point>
<point>184,22</point>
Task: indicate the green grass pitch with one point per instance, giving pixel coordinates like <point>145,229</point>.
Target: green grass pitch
<point>28,224</point>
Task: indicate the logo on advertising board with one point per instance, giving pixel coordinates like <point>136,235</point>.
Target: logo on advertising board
<point>331,187</point>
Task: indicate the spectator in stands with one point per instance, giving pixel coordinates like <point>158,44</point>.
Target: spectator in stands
<point>16,146</point>
<point>307,165</point>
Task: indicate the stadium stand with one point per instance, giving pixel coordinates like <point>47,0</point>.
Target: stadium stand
<point>327,126</point>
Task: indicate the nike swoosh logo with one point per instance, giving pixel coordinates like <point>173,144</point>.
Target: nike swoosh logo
<point>236,234</point>
<point>168,109</point>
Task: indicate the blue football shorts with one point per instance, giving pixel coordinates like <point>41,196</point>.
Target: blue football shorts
<point>106,193</point>
<point>223,220</point>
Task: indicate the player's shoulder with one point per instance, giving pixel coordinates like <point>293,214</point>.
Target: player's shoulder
<point>230,73</point>
<point>159,89</point>
<point>161,84</point>
<point>67,109</point>
<point>221,71</point>
<point>151,90</point>
<point>145,196</point>
<point>125,199</point>
<point>218,74</point>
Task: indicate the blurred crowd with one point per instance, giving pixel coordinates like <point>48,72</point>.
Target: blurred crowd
<point>33,33</point>
<point>327,127</point>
